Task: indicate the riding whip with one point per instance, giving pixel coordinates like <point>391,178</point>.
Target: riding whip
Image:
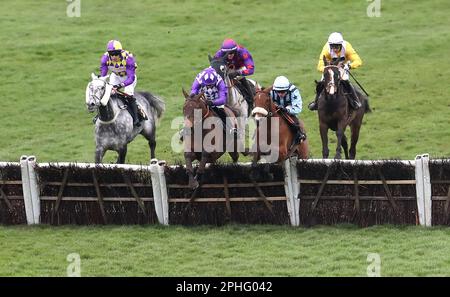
<point>358,83</point>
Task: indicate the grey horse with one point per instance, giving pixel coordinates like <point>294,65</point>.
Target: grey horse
<point>114,126</point>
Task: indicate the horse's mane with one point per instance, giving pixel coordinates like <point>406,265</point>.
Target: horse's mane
<point>155,103</point>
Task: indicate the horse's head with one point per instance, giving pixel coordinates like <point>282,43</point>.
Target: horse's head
<point>195,109</point>
<point>262,104</point>
<point>219,65</point>
<point>332,75</point>
<point>98,92</point>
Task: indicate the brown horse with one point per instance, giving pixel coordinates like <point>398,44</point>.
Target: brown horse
<point>266,110</point>
<point>201,141</point>
<point>335,113</point>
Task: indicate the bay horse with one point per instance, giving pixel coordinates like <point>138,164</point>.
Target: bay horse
<point>266,109</point>
<point>114,127</point>
<point>201,141</point>
<point>335,113</point>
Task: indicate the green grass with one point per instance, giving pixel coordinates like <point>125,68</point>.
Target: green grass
<point>48,57</point>
<point>226,251</point>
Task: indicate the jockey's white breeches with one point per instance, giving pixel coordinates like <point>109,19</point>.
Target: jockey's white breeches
<point>114,79</point>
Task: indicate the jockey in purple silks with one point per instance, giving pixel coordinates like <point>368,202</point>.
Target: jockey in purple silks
<point>123,66</point>
<point>240,61</point>
<point>212,85</point>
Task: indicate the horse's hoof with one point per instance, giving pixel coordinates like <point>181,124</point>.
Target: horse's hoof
<point>154,161</point>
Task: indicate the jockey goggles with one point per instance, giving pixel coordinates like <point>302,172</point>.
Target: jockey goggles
<point>230,52</point>
<point>337,46</point>
<point>115,53</point>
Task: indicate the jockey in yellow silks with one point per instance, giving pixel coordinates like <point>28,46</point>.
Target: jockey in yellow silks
<point>337,48</point>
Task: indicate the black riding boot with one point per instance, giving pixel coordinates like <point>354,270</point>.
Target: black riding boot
<point>299,135</point>
<point>246,92</point>
<point>314,105</point>
<point>354,100</point>
<point>133,111</point>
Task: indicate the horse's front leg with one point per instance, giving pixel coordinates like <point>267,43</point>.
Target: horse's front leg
<point>122,154</point>
<point>99,153</point>
<point>324,136</point>
<point>201,168</point>
<point>354,140</point>
<point>152,145</point>
<point>339,134</point>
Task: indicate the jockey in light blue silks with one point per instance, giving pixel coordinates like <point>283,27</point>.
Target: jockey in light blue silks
<point>287,97</point>
<point>122,66</point>
<point>212,85</point>
<point>240,61</point>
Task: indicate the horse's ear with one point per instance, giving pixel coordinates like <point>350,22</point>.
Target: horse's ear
<point>209,58</point>
<point>93,76</point>
<point>257,88</point>
<point>185,94</point>
<point>104,77</point>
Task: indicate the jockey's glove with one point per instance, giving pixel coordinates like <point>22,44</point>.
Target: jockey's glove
<point>347,66</point>
<point>210,103</point>
<point>282,108</point>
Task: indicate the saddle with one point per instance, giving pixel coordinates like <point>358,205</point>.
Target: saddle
<point>142,115</point>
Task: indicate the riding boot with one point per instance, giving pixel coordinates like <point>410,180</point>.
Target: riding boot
<point>247,92</point>
<point>133,111</point>
<point>353,100</point>
<point>299,135</point>
<point>314,104</point>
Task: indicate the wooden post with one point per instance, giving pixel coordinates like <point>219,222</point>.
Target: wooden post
<point>99,195</point>
<point>60,194</point>
<point>227,195</point>
<point>139,201</point>
<point>322,186</point>
<point>3,194</point>
<point>387,191</point>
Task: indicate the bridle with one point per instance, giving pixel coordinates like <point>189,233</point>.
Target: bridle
<point>93,94</point>
<point>266,111</point>
<point>331,82</point>
<point>202,98</point>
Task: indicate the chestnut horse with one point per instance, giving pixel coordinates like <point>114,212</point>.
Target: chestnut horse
<point>201,141</point>
<point>266,114</point>
<point>335,112</point>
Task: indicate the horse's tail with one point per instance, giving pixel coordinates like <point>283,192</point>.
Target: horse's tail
<point>156,103</point>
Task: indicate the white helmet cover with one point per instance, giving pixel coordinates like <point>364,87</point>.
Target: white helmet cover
<point>281,83</point>
<point>335,38</point>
